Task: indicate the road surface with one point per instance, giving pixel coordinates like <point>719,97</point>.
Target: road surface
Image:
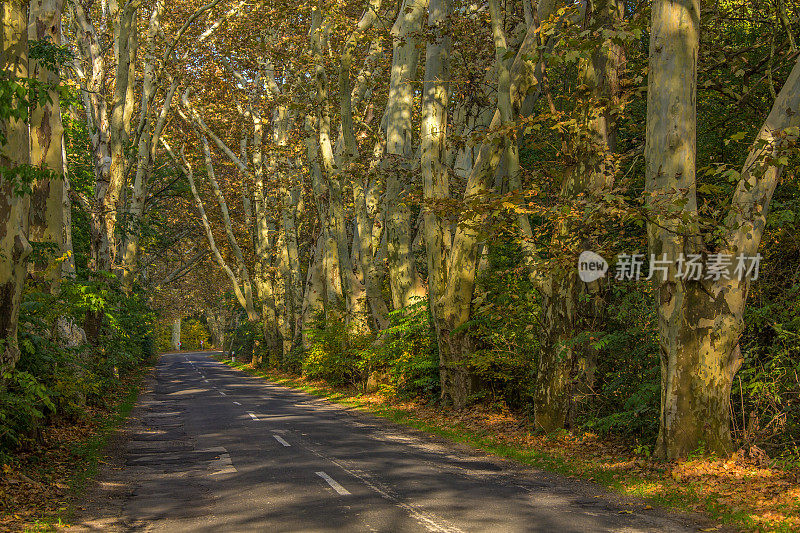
<point>209,448</point>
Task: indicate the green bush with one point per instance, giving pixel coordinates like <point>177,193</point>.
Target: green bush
<point>627,390</point>
<point>505,328</point>
<point>51,380</point>
<point>407,354</point>
<point>24,403</point>
<point>163,337</point>
<point>334,355</point>
<point>403,361</point>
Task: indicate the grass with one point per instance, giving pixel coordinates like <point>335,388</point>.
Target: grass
<point>41,488</point>
<point>736,492</point>
<point>90,451</point>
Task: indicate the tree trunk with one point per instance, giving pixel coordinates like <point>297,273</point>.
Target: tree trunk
<point>46,134</point>
<point>14,245</point>
<point>690,404</point>
<point>314,294</point>
<point>570,306</point>
<point>176,334</point>
<point>269,319</point>
<point>700,322</point>
<point>338,260</point>
<point>107,134</point>
<point>68,265</point>
<point>366,257</point>
<point>406,285</point>
<point>435,183</point>
<point>125,40</point>
<point>148,140</point>
<point>457,383</point>
<point>283,307</point>
<point>295,290</point>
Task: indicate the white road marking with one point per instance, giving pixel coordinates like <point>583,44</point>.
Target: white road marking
<point>431,522</point>
<point>334,485</point>
<point>236,403</point>
<point>222,393</point>
<point>223,464</point>
<point>280,439</point>
<point>254,417</point>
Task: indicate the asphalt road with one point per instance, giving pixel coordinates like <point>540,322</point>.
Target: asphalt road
<point>209,448</point>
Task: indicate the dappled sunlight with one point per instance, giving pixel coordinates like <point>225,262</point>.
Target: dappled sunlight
<point>188,392</point>
<point>554,244</point>
<point>766,494</point>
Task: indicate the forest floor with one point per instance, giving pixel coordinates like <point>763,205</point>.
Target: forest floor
<point>40,486</point>
<point>746,491</point>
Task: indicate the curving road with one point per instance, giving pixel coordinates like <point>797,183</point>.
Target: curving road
<point>209,448</point>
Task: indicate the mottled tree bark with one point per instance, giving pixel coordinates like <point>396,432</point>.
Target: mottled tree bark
<point>405,282</point>
<point>314,294</point>
<point>435,183</point>
<point>700,322</point>
<point>46,214</point>
<point>570,306</point>
<point>694,403</point>
<point>68,265</point>
<point>125,44</point>
<point>148,135</point>
<point>14,245</point>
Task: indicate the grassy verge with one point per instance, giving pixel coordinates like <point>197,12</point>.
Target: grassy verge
<point>39,489</point>
<point>745,492</point>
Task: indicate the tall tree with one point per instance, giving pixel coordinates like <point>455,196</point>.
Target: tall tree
<point>404,279</point>
<point>14,163</point>
<point>46,135</point>
<point>569,306</point>
<point>522,81</point>
<point>108,131</point>
<point>700,321</point>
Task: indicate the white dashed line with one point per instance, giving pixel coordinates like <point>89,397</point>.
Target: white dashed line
<point>222,393</point>
<point>281,440</point>
<point>431,522</point>
<point>254,417</point>
<point>334,485</point>
<point>236,403</point>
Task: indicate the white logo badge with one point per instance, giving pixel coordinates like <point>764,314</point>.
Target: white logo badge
<point>591,267</point>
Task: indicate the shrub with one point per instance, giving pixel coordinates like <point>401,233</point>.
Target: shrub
<point>407,354</point>
<point>627,390</point>
<point>505,327</point>
<point>334,355</point>
<point>24,403</point>
<point>53,380</point>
